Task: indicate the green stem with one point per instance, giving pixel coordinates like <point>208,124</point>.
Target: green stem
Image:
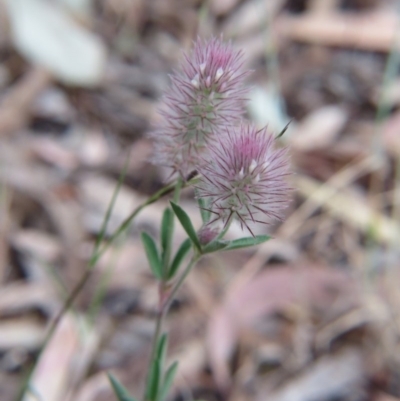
<point>157,334</point>
<point>167,303</point>
<point>178,187</point>
<point>163,310</point>
<point>168,249</point>
<point>126,223</point>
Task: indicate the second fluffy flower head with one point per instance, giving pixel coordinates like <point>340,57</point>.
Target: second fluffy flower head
<point>244,175</point>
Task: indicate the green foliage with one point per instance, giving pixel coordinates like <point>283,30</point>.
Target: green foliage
<point>152,255</point>
<point>179,256</point>
<point>215,246</point>
<point>168,380</point>
<point>284,130</point>
<point>246,242</point>
<point>167,229</point>
<point>186,224</point>
<point>155,379</point>
<point>120,391</point>
<point>204,209</point>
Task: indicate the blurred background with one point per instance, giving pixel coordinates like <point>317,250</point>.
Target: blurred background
<point>312,315</point>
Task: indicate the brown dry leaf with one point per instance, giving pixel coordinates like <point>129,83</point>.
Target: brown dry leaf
<point>319,129</point>
<point>271,291</point>
<point>374,31</point>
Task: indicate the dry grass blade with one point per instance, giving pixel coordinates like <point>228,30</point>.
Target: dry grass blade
<point>349,208</point>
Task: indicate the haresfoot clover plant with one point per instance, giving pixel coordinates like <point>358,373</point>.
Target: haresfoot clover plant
<point>235,169</point>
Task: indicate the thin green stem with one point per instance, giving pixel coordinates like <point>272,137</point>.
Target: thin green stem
<point>168,248</point>
<point>178,188</point>
<point>221,235</point>
<point>157,334</point>
<point>163,310</point>
<point>167,303</point>
<point>126,223</point>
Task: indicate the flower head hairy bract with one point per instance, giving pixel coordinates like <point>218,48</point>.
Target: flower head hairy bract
<point>205,97</point>
<point>244,177</point>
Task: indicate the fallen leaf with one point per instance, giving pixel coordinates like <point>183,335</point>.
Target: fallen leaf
<point>319,129</point>
<point>46,35</point>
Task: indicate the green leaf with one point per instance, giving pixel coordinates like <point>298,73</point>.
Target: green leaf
<point>167,228</point>
<point>155,377</point>
<point>247,241</point>
<point>215,246</point>
<point>162,349</point>
<point>153,384</point>
<point>152,255</point>
<point>203,206</point>
<point>186,224</point>
<point>180,255</point>
<point>168,380</point>
<point>284,130</point>
<point>120,391</point>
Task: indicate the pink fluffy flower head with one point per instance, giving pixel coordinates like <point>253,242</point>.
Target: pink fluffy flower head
<point>244,177</point>
<point>206,94</point>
